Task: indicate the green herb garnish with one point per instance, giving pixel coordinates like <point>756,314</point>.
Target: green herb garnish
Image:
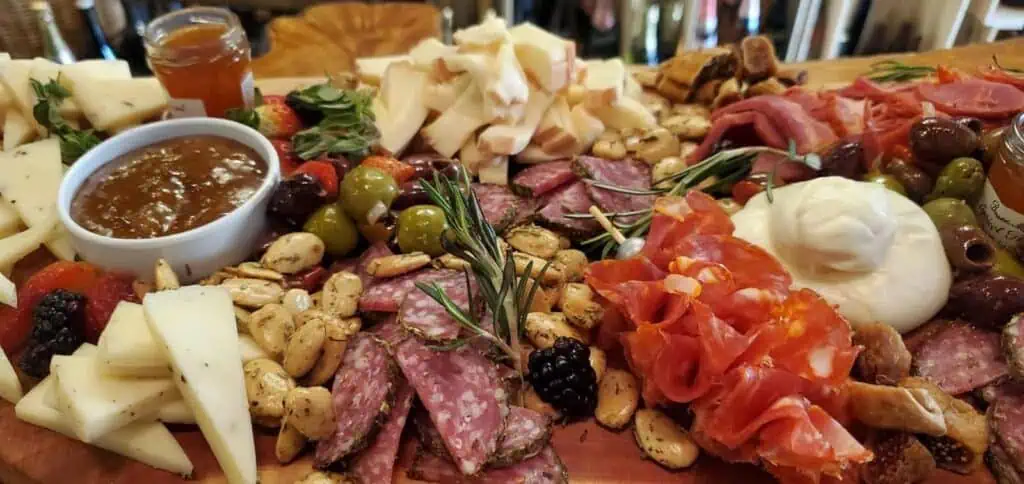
<point>347,129</point>
<point>896,71</point>
<point>73,142</point>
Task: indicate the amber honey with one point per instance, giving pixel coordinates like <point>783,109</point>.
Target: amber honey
<point>1001,204</point>
<point>202,58</point>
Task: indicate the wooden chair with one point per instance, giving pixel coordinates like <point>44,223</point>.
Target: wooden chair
<point>328,38</point>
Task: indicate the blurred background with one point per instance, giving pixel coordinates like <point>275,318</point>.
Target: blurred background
<point>642,31</point>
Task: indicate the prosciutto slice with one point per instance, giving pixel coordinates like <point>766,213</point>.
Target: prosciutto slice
<point>974,97</point>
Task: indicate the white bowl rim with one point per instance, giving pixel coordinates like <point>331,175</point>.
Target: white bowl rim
<point>254,139</point>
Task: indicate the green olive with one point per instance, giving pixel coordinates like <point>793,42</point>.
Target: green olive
<point>337,231</point>
<point>1006,264</point>
<point>991,141</point>
<point>364,188</point>
<point>887,181</point>
<point>944,211</point>
<point>961,178</point>
<point>420,228</point>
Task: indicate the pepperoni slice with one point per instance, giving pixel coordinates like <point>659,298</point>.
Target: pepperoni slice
<point>819,344</point>
<point>606,275</point>
<point>750,265</point>
<point>677,218</point>
<point>974,97</point>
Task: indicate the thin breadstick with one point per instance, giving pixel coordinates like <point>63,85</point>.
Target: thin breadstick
<point>607,224</point>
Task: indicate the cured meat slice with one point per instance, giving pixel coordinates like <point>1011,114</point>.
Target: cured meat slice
<point>376,464</point>
<point>386,295</point>
<point>526,433</point>
<point>363,393</point>
<point>464,395</point>
<point>572,198</point>
<point>539,180</point>
<point>1006,421</point>
<point>544,468</point>
<point>628,173</point>
<point>960,358</point>
<point>358,266</point>
<point>1013,346</point>
<point>974,97</point>
<point>430,439</point>
<point>499,205</point>
<point>424,317</point>
<point>1002,465</point>
<point>389,332</point>
<point>999,389</point>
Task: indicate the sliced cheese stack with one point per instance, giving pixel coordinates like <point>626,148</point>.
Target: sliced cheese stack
<point>10,386</point>
<point>501,92</point>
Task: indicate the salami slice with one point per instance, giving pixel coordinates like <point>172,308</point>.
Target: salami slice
<point>386,295</point>
<point>628,173</point>
<point>1003,387</point>
<point>1006,421</point>
<point>544,468</point>
<point>569,199</point>
<point>539,180</point>
<point>526,433</point>
<point>376,464</point>
<point>960,358</point>
<point>498,203</point>
<point>430,439</point>
<point>974,97</point>
<point>424,317</point>
<point>466,400</point>
<point>1013,346</point>
<point>363,393</point>
<point>389,332</point>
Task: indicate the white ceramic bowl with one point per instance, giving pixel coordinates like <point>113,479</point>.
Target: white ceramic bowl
<point>196,253</point>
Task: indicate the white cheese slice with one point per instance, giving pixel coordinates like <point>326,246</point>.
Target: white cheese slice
<point>147,442</point>
<point>625,114</point>
<point>546,58</point>
<point>426,53</point>
<point>372,70</point>
<point>604,82</point>
<point>95,69</point>
<point>401,110</point>
<point>17,130</point>
<point>10,386</point>
<point>586,126</point>
<point>9,219</point>
<point>196,326</point>
<point>112,104</point>
<point>456,125</point>
<point>176,412</point>
<point>96,403</point>
<point>491,31</point>
<point>30,181</point>
<point>6,103</point>
<point>249,349</point>
<point>14,75</point>
<point>504,139</point>
<point>15,247</point>
<point>44,71</point>
<point>127,347</point>
<point>8,294</point>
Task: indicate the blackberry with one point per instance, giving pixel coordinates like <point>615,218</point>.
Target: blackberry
<point>58,324</point>
<point>563,377</point>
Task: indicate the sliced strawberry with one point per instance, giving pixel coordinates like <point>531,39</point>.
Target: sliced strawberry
<point>286,153</point>
<point>101,299</point>
<point>74,276</point>
<point>277,119</point>
<point>744,190</point>
<point>325,173</point>
<point>399,170</point>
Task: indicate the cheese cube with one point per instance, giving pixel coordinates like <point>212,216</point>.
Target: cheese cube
<point>97,404</point>
<point>10,386</point>
<point>547,59</point>
<point>196,326</point>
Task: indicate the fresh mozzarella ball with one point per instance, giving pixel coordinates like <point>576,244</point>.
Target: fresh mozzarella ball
<point>834,238</point>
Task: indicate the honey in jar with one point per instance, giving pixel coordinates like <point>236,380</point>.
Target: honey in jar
<point>1001,204</point>
<point>201,56</point>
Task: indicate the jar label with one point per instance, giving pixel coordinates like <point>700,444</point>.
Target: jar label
<point>1003,224</point>
<point>249,90</point>
<point>186,108</point>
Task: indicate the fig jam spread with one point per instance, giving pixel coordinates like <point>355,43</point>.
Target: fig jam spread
<point>168,187</point>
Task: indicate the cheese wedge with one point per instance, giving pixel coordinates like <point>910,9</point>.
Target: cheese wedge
<point>401,110</point>
<point>10,386</point>
<point>452,128</point>
<point>97,404</point>
<point>501,139</point>
<point>17,130</point>
<point>147,442</point>
<point>249,350</point>
<point>556,133</point>
<point>176,412</point>
<point>626,114</point>
<point>196,326</point>
<point>113,104</point>
<point>492,30</point>
<point>426,53</point>
<point>44,71</point>
<point>546,58</point>
<point>586,126</point>
<point>30,181</point>
<point>9,219</point>
<point>442,95</point>
<point>605,81</point>
<point>15,247</point>
<point>499,78</point>
<point>371,70</point>
<point>127,347</point>
<point>8,296</point>
<point>14,76</point>
<point>95,69</point>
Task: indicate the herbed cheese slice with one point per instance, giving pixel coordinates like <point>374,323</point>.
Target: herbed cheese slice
<point>8,296</point>
<point>196,326</point>
<point>9,219</point>
<point>10,386</point>
<point>176,412</point>
<point>127,347</point>
<point>112,104</point>
<point>147,442</point>
<point>15,247</point>
<point>44,71</point>
<point>30,181</point>
<point>97,404</point>
<point>17,130</point>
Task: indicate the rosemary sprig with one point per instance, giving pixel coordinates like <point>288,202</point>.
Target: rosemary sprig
<point>469,237</point>
<point>724,168</point>
<point>896,71</point>
<point>73,142</point>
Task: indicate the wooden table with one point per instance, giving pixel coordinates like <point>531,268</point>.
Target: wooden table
<point>32,455</point>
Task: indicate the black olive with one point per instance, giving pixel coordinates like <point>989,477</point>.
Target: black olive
<point>915,181</point>
<point>973,124</point>
<point>410,193</point>
<point>844,159</point>
<point>722,145</point>
<point>342,166</point>
<point>295,198</point>
<point>937,141</point>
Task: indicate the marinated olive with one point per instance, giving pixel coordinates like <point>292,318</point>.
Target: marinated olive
<point>843,159</point>
<point>945,211</point>
<point>378,232</point>
<point>295,198</point>
<point>335,228</point>
<point>961,178</point>
<point>915,181</point>
<point>420,229</point>
<point>973,124</point>
<point>936,141</point>
<point>367,189</point>
<point>991,141</point>
<point>887,181</point>
<point>1005,263</point>
<point>409,194</point>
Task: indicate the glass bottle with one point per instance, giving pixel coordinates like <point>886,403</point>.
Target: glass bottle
<point>1000,207</point>
<point>54,46</point>
<point>100,46</point>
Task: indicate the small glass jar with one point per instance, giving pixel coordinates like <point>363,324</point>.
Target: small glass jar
<point>1000,207</point>
<point>202,57</point>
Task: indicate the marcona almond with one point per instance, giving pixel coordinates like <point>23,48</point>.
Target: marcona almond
<point>617,398</point>
<point>164,277</point>
<point>341,294</point>
<point>533,240</point>
<point>542,329</point>
<point>297,301</point>
<point>311,412</point>
<point>254,270</point>
<point>663,440</point>
<point>271,327</point>
<point>253,293</point>
<point>266,385</point>
<point>304,348</point>
<point>396,265</point>
<point>294,252</point>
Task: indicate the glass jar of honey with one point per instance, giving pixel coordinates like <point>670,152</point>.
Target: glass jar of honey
<point>1001,204</point>
<point>201,56</point>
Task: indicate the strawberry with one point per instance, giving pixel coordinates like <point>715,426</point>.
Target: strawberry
<point>101,299</point>
<point>15,325</point>
<point>324,172</point>
<point>276,119</point>
<point>289,160</point>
